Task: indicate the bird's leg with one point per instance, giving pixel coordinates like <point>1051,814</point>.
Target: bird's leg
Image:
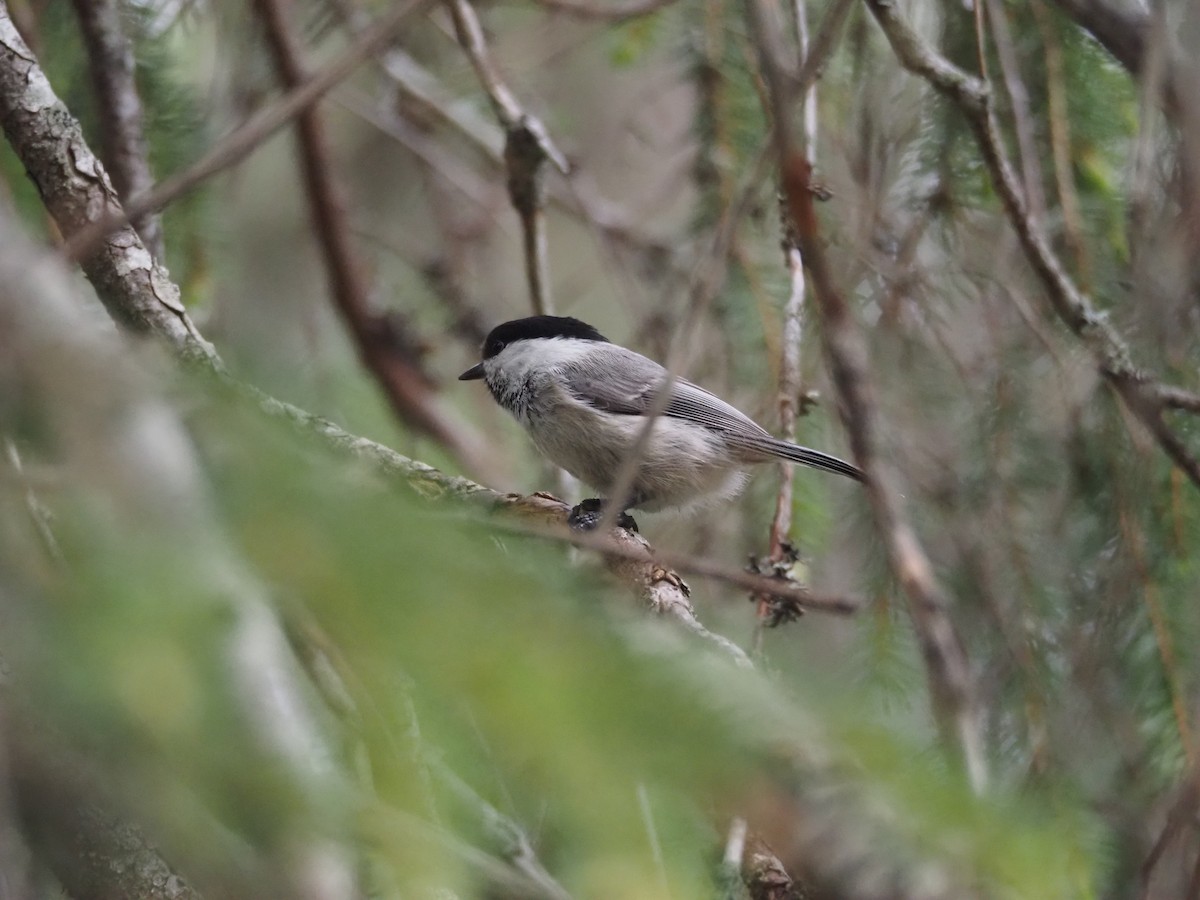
<point>588,515</point>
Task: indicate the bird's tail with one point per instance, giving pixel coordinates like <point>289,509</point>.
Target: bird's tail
<point>807,457</point>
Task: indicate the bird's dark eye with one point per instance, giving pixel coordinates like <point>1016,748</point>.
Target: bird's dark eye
<point>492,347</point>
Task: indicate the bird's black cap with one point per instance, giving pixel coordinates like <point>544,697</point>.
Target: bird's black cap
<point>538,327</point>
<point>532,327</point>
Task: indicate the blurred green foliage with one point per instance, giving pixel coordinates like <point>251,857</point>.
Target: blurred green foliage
<point>1062,535</point>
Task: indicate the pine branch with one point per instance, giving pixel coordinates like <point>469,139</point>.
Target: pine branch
<point>1142,392</point>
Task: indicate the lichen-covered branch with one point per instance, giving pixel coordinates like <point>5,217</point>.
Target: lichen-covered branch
<point>136,290</point>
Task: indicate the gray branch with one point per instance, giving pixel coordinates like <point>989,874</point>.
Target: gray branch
<point>136,290</point>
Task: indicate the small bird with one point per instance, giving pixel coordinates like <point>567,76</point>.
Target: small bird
<point>584,401</point>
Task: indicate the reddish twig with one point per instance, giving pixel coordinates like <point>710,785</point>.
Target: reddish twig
<point>780,552</point>
<point>377,337</point>
<point>951,683</point>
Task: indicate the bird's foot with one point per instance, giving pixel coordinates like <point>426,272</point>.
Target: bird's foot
<point>588,515</point>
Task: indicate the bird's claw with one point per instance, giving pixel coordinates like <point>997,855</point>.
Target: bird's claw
<point>588,515</point>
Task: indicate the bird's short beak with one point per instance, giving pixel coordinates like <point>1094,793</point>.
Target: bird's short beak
<point>472,374</point>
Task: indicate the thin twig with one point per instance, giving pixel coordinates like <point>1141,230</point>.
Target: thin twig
<point>421,90</point>
<point>1018,98</point>
<point>393,827</point>
<point>706,281</point>
<point>122,139</point>
<point>1177,398</point>
<point>643,798</point>
<point>779,549</point>
<point>39,515</point>
<point>1060,138</point>
<point>527,148</point>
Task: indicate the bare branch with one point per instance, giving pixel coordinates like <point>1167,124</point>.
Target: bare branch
<point>951,683</point>
<point>420,89</point>
<point>822,45</point>
<point>779,549</point>
<point>123,142</point>
<point>1172,397</point>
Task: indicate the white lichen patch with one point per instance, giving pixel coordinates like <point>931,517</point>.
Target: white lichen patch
<point>133,258</point>
<point>165,289</point>
<point>11,38</point>
<point>38,94</point>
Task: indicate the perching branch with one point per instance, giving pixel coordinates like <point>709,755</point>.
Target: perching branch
<point>133,291</point>
<point>642,569</point>
<point>1141,392</point>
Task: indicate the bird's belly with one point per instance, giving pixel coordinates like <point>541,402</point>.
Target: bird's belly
<point>680,462</point>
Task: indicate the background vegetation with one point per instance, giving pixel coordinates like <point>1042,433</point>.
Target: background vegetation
<point>248,652</point>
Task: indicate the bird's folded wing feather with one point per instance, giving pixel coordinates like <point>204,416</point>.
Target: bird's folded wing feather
<point>630,388</point>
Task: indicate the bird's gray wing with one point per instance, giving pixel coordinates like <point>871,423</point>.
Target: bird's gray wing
<point>629,387</point>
